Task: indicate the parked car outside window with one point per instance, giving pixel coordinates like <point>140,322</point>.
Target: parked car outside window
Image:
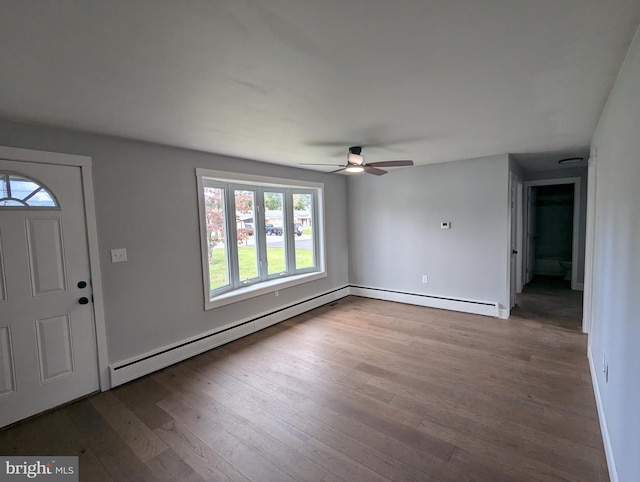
<point>270,229</point>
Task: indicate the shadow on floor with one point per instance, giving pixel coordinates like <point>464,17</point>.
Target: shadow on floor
<point>550,300</point>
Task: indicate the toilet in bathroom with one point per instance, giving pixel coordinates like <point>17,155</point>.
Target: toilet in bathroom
<point>567,266</point>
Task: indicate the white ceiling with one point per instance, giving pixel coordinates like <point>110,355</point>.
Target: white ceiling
<point>289,81</point>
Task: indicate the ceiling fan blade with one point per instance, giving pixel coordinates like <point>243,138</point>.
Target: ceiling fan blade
<point>337,170</point>
<point>373,170</point>
<point>390,163</point>
<point>314,164</point>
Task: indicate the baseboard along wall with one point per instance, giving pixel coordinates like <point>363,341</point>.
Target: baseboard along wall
<point>487,308</point>
<point>604,428</point>
<point>127,370</point>
<point>136,367</point>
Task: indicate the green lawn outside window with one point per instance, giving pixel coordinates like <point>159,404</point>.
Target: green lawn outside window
<point>217,271</point>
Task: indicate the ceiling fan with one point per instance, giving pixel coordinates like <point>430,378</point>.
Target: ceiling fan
<point>355,163</point>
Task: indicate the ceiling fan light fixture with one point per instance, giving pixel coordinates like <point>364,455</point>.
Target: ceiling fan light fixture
<point>571,160</point>
<point>355,159</point>
<point>355,164</point>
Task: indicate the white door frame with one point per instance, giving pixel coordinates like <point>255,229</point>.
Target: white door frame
<point>589,255</point>
<point>84,163</point>
<point>528,252</point>
<point>576,220</point>
<point>520,238</point>
<point>513,238</point>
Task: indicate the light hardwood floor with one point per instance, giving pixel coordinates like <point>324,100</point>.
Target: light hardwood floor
<point>360,390</point>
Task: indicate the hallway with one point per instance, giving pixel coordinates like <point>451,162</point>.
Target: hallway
<point>550,301</point>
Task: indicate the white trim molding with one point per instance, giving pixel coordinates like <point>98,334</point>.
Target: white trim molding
<point>604,428</point>
<point>589,245</point>
<point>43,157</point>
<point>138,366</point>
<point>487,308</point>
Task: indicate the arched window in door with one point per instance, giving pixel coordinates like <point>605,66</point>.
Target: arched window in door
<point>18,191</point>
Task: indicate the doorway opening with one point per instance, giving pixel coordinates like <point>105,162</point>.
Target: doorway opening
<point>551,291</point>
<point>552,243</point>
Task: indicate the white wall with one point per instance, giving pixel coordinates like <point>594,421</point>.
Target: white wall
<point>395,235</point>
<point>146,202</point>
<point>616,271</point>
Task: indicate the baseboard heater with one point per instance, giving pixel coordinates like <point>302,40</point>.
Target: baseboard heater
<point>136,367</point>
<point>127,370</point>
<point>487,308</point>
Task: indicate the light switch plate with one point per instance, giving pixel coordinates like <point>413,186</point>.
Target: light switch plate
<point>118,255</point>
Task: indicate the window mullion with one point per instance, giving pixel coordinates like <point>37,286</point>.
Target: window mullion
<point>230,219</point>
<point>259,229</point>
<point>318,227</point>
<point>288,232</point>
<point>259,235</point>
<point>315,221</point>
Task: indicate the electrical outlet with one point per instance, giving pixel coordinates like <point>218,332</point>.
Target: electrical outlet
<point>118,255</point>
<point>425,279</point>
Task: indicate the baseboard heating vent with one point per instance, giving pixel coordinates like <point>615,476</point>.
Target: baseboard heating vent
<point>136,367</point>
<point>487,308</point>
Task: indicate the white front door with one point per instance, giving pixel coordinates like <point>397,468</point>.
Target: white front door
<point>48,353</point>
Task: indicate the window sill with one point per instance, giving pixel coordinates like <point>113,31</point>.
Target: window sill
<point>261,289</point>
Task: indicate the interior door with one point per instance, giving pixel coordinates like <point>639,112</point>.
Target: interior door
<point>48,353</point>
<point>531,232</point>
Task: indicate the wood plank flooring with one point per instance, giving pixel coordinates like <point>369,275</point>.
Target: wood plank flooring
<point>360,390</point>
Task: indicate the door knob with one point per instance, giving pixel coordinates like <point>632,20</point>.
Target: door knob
<point>84,300</point>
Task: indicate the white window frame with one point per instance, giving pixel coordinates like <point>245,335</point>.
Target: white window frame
<point>238,290</point>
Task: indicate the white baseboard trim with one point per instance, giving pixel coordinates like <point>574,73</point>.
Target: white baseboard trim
<point>126,370</point>
<point>487,308</point>
<point>608,450</point>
